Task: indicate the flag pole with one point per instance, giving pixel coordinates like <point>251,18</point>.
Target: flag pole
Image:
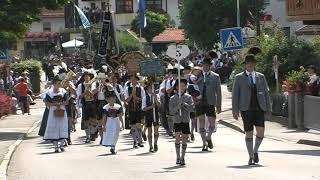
<point>75,24</point>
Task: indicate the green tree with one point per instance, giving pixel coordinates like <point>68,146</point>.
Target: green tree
<point>17,15</point>
<point>203,19</point>
<point>156,23</point>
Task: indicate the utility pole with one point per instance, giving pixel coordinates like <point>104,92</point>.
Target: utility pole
<point>238,13</point>
<point>256,5</point>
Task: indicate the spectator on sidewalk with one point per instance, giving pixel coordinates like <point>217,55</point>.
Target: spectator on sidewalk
<point>22,89</point>
<point>312,84</point>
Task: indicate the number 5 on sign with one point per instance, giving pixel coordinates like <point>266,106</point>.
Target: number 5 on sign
<point>178,52</point>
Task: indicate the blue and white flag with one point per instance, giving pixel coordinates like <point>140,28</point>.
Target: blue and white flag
<point>142,14</point>
<point>85,22</point>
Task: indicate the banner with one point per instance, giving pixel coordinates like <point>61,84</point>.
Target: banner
<point>85,22</point>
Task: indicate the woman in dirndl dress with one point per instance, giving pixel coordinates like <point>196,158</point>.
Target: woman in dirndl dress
<point>57,126</point>
<point>44,121</point>
<point>111,125</point>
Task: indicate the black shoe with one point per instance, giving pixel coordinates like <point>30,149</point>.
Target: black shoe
<point>69,142</point>
<point>93,138</point>
<point>210,145</point>
<point>204,148</point>
<point>155,147</point>
<point>256,158</point>
<point>250,163</point>
<point>182,162</point>
<point>178,161</point>
<point>62,149</point>
<point>112,151</point>
<point>192,137</point>
<point>56,150</point>
<point>135,145</point>
<point>140,145</point>
<point>144,137</point>
<point>151,150</point>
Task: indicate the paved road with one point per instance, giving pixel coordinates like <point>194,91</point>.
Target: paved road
<point>34,160</point>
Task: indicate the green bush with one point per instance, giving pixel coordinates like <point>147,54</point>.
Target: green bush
<point>34,67</point>
<point>127,43</point>
<point>156,23</point>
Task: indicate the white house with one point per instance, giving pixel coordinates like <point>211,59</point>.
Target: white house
<point>276,10</point>
<point>125,10</point>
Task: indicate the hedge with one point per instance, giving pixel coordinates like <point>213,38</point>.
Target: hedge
<point>34,67</point>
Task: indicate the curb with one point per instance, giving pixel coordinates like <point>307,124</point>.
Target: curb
<point>301,141</point>
<point>7,157</point>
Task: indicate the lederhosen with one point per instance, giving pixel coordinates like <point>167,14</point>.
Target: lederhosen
<point>149,114</point>
<point>88,110</point>
<point>255,115</point>
<point>135,113</point>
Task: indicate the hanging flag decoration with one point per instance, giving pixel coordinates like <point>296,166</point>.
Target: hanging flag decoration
<point>142,14</point>
<point>85,22</point>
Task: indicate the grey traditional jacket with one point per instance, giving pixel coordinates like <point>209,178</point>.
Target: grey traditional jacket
<point>213,88</point>
<point>241,92</point>
<point>186,108</point>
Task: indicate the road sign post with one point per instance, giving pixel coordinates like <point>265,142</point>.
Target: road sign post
<point>178,52</point>
<point>231,39</point>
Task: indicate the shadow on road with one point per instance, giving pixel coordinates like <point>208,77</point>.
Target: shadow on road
<point>143,154</point>
<point>245,166</point>
<point>170,169</point>
<point>297,152</point>
<point>200,152</point>
<point>9,136</point>
<point>109,154</point>
<point>127,149</point>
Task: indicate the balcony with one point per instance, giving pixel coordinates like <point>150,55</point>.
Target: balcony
<point>304,10</point>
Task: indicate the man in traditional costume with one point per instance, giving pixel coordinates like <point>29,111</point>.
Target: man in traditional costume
<point>133,95</point>
<point>85,93</point>
<point>250,97</point>
<point>150,106</point>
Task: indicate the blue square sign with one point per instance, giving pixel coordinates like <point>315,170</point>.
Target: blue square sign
<point>231,39</point>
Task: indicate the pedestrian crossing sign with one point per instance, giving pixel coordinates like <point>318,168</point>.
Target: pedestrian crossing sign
<point>231,39</point>
<point>3,54</point>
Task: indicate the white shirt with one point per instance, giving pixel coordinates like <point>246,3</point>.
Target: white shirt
<point>79,88</point>
<point>144,100</point>
<point>126,92</point>
<point>253,73</point>
<point>205,74</point>
<point>162,86</point>
<point>170,83</point>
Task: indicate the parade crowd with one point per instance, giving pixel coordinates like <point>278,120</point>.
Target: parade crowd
<point>109,101</point>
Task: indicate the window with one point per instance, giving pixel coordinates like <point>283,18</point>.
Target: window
<point>124,6</point>
<point>46,27</point>
<point>154,4</point>
<point>93,5</point>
